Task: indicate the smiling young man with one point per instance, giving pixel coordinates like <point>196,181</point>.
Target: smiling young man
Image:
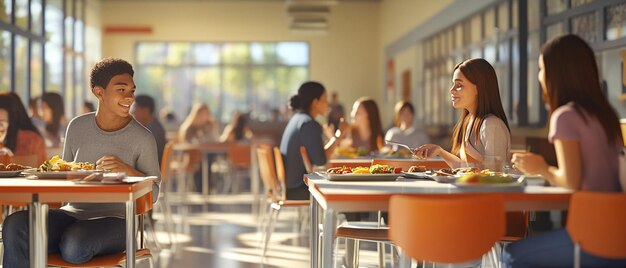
<point>113,140</point>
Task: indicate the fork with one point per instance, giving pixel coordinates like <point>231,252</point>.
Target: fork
<point>399,144</point>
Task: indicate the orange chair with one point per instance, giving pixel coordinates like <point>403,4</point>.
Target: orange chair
<point>142,206</point>
<point>239,160</point>
<point>596,224</point>
<point>305,158</point>
<point>275,189</point>
<point>405,164</point>
<point>446,228</point>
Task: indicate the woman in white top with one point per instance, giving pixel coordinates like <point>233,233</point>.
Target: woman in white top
<point>404,130</point>
<point>482,133</point>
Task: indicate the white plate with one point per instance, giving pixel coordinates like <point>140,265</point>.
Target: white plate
<point>429,176</point>
<point>59,174</point>
<point>360,177</point>
<point>123,181</point>
<point>490,187</point>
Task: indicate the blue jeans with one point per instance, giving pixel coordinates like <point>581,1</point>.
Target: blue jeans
<point>76,240</point>
<point>554,249</point>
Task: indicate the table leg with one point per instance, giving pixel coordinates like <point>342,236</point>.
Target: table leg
<point>314,233</point>
<point>38,238</point>
<point>328,238</point>
<point>131,241</point>
<point>205,173</point>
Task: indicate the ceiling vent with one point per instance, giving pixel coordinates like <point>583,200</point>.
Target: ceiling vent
<point>309,15</point>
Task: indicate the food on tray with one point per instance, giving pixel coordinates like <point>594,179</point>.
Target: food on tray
<point>339,170</point>
<point>374,169</point>
<point>483,178</point>
<point>12,167</point>
<point>417,169</point>
<point>57,164</point>
<point>350,152</point>
<point>381,169</point>
<point>457,171</point>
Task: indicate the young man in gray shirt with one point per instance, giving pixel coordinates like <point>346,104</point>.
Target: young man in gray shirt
<point>114,141</point>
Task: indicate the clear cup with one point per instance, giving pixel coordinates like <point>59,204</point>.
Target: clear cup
<point>493,162</point>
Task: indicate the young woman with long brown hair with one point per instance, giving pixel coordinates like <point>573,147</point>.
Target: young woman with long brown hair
<point>367,131</point>
<point>587,138</point>
<point>483,130</point>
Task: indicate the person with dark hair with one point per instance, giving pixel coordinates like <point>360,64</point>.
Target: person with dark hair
<point>303,130</point>
<point>404,130</point>
<point>18,135</point>
<point>114,141</point>
<point>366,132</point>
<point>237,130</point>
<point>34,112</point>
<point>54,116</point>
<point>587,138</point>
<point>336,112</point>
<point>144,113</point>
<point>482,134</point>
<point>88,107</point>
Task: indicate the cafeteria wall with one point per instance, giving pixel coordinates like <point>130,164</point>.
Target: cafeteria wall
<point>344,59</point>
<point>397,18</point>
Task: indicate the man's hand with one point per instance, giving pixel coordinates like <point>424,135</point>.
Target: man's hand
<point>112,163</point>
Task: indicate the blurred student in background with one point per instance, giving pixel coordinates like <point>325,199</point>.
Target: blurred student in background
<point>54,115</point>
<point>88,107</point>
<point>404,130</point>
<point>336,112</point>
<point>587,138</point>
<point>34,112</point>
<point>199,126</point>
<point>482,133</point>
<point>237,130</point>
<point>366,130</point>
<point>17,132</point>
<point>144,113</point>
<point>302,130</point>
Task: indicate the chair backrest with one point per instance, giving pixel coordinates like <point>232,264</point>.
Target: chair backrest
<point>596,221</point>
<point>446,228</point>
<point>267,171</point>
<point>166,160</point>
<point>305,158</point>
<point>280,171</point>
<point>405,164</point>
<point>239,154</point>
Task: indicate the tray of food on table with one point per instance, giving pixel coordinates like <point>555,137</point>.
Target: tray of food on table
<point>372,173</point>
<point>57,168</point>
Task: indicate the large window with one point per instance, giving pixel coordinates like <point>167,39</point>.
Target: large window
<point>41,49</point>
<point>229,77</point>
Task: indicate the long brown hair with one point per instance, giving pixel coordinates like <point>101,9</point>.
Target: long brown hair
<point>571,75</point>
<point>373,115</point>
<point>480,73</point>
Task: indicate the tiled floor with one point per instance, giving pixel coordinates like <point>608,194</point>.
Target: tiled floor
<point>223,233</point>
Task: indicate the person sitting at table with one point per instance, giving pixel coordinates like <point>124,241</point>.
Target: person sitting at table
<point>584,128</point>
<point>303,130</point>
<point>366,133</point>
<point>199,126</point>
<point>114,141</point>
<point>53,112</point>
<point>18,135</point>
<point>144,113</point>
<point>482,132</point>
<point>404,130</point>
<point>237,130</point>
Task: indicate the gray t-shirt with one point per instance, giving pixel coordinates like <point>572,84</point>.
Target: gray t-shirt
<point>133,144</point>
